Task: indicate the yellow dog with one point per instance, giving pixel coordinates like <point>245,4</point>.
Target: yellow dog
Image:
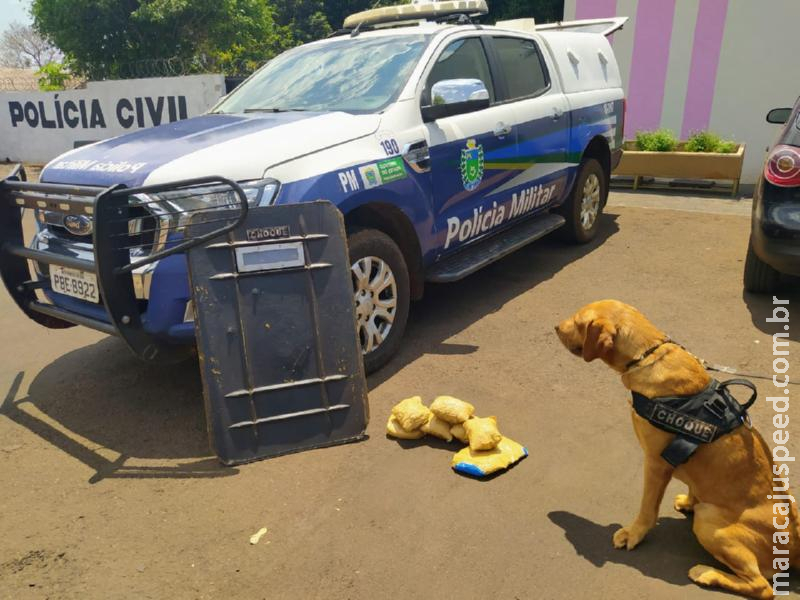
<point>730,480</point>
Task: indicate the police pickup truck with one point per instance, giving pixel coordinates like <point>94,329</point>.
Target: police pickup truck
<point>445,144</point>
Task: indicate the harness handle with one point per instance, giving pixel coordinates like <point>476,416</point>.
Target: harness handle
<point>747,384</point>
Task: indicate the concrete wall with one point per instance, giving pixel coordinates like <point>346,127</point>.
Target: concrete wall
<point>38,126</point>
<point>689,65</point>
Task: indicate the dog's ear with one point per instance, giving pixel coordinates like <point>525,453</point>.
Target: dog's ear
<point>599,340</point>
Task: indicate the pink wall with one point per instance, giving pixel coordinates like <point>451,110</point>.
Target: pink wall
<point>654,29</point>
<point>691,65</point>
<point>596,9</point>
<point>706,53</point>
<point>650,62</point>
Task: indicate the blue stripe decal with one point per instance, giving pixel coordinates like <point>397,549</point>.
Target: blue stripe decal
<point>597,120</point>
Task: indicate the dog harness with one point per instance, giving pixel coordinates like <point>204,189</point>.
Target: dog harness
<point>698,419</point>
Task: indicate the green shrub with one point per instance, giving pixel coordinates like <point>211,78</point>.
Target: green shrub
<point>727,147</point>
<point>662,140</point>
<point>705,141</point>
<point>53,77</point>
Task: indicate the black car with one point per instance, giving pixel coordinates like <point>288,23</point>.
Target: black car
<point>774,248</point>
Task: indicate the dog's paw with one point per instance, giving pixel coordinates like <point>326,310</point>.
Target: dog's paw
<point>684,503</point>
<point>629,537</point>
<point>703,575</point>
<point>711,577</point>
<point>621,538</point>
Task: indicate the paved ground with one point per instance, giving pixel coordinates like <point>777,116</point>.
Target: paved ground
<point>108,489</point>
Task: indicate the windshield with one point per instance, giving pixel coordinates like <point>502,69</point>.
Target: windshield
<point>352,75</point>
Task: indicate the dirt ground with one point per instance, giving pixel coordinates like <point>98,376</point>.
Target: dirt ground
<point>108,489</point>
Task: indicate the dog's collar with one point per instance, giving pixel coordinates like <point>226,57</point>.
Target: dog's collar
<point>648,352</point>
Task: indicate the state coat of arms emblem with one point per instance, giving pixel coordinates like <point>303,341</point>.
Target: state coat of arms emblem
<point>472,165</point>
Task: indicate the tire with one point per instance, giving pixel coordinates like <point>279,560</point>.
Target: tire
<point>380,323</point>
<point>759,277</point>
<point>585,204</point>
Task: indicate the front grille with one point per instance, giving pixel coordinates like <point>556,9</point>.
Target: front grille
<point>63,233</point>
<point>147,222</point>
<point>54,222</point>
<point>144,229</point>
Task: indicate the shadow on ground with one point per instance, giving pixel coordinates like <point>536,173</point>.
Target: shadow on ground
<point>667,554</point>
<point>761,307</point>
<point>448,309</point>
<point>99,400</point>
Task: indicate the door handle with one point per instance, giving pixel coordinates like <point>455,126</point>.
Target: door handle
<point>557,114</point>
<point>501,129</point>
<point>418,156</point>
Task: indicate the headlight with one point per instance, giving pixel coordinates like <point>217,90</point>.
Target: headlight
<point>185,203</point>
<point>260,193</point>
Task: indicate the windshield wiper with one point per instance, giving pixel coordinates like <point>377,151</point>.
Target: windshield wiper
<point>274,110</point>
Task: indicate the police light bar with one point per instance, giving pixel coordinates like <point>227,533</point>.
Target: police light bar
<point>416,12</point>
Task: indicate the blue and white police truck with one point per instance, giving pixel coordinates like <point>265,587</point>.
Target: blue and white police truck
<point>445,144</point>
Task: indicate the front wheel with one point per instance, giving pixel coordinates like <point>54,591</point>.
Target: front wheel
<point>584,206</point>
<point>381,292</point>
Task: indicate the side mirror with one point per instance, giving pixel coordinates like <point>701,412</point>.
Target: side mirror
<point>455,97</point>
<point>779,116</point>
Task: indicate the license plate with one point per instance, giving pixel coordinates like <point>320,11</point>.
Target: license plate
<point>78,284</point>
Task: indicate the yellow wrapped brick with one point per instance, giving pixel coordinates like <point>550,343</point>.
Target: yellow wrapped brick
<point>394,429</point>
<point>486,462</point>
<point>411,413</point>
<point>452,410</point>
<point>482,433</point>
<point>458,432</point>
<point>438,428</point>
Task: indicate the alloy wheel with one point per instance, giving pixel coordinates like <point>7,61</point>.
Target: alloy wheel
<point>375,292</point>
<point>590,202</point>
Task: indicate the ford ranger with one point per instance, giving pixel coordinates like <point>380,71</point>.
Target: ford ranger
<point>445,144</point>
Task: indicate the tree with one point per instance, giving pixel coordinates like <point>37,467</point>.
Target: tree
<point>304,20</point>
<point>53,77</point>
<point>22,47</point>
<point>544,11</point>
<point>144,38</point>
<point>103,38</point>
<point>309,20</point>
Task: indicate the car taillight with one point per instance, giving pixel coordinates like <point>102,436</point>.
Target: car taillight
<point>783,166</point>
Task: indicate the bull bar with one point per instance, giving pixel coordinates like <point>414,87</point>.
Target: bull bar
<point>112,211</point>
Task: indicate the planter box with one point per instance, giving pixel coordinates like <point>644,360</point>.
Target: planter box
<point>681,165</point>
